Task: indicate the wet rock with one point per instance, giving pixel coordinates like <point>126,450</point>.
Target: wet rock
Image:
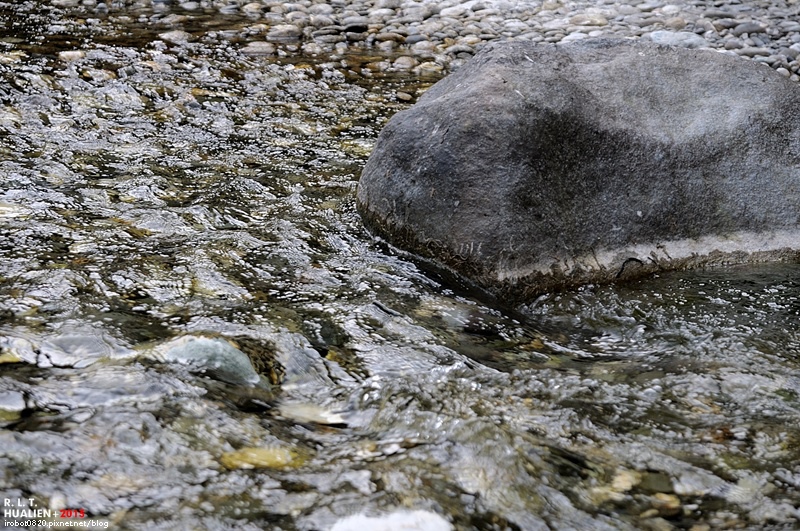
<point>789,26</point>
<point>356,24</point>
<point>284,33</point>
<point>12,403</point>
<point>416,38</point>
<point>576,36</point>
<point>666,504</point>
<point>380,15</point>
<point>537,167</point>
<point>459,48</point>
<point>423,48</point>
<point>259,48</point>
<point>74,349</point>
<point>176,37</point>
<point>428,68</point>
<point>675,23</point>
<point>308,413</point>
<point>733,44</point>
<point>748,27</point>
<point>320,9</point>
<point>454,11</point>
<point>753,52</point>
<point>253,8</point>
<point>71,55</point>
<point>215,357</point>
<point>294,8</point>
<point>355,36</point>
<point>321,21</point>
<point>405,62</point>
<point>389,36</point>
<point>588,20</point>
<point>298,18</point>
<point>683,39</point>
<point>725,23</point>
<point>261,457</point>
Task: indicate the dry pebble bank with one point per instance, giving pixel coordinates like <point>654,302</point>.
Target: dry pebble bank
<point>430,37</point>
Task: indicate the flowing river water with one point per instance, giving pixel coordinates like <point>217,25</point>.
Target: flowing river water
<point>196,332</point>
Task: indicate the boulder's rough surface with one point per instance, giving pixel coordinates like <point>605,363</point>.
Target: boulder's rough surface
<point>540,167</point>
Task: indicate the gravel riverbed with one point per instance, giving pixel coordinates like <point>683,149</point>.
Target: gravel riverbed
<point>431,37</point>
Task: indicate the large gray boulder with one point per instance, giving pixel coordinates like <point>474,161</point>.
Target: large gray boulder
<point>538,167</point>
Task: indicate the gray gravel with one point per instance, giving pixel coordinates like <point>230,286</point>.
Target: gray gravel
<point>431,36</point>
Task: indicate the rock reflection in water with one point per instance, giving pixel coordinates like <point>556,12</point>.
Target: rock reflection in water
<point>154,194</point>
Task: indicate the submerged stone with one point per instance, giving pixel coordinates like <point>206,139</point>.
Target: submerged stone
<point>215,357</point>
<point>261,457</point>
<point>538,167</point>
<point>12,404</point>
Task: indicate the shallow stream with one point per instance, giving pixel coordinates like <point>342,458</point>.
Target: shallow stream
<point>197,332</point>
